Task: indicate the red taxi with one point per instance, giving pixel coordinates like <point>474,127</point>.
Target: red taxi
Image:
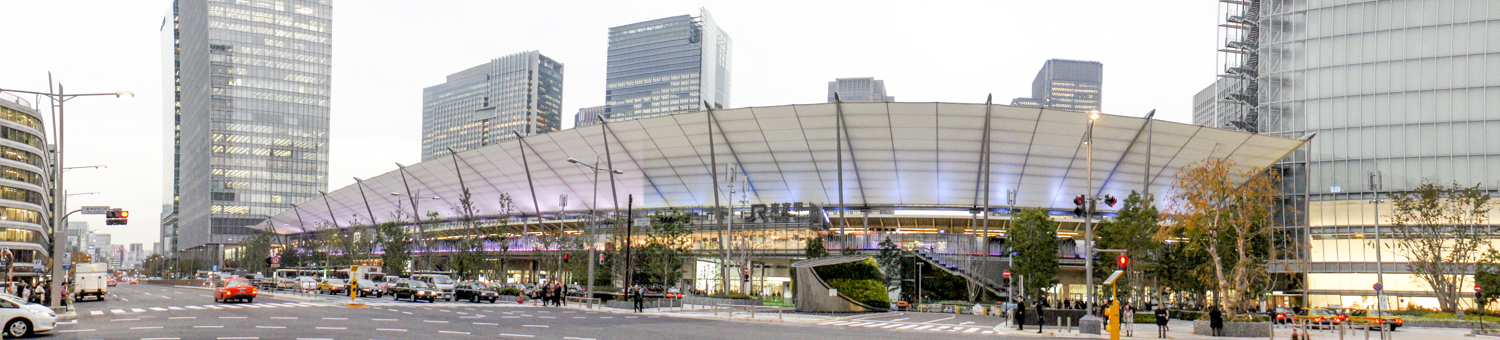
<point>235,289</point>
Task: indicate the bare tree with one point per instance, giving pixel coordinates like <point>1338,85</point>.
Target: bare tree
<point>1214,208</point>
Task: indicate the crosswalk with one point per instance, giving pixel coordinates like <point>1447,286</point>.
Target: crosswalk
<point>203,307</point>
<point>909,326</point>
<point>442,304</point>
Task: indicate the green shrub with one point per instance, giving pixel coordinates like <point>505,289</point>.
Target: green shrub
<point>510,291</point>
<point>740,296</point>
<point>1145,318</point>
<point>857,270</point>
<point>868,292</point>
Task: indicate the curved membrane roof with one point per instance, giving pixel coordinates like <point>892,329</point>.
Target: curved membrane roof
<point>894,155</point>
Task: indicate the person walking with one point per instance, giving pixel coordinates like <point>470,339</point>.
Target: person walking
<point>1020,315</point>
<point>640,298</point>
<point>562,298</point>
<point>1161,321</point>
<point>1216,320</point>
<point>1041,319</point>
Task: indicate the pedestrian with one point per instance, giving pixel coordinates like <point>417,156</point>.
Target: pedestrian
<point>1041,319</point>
<point>41,294</point>
<point>563,297</point>
<point>640,299</point>
<point>1021,315</point>
<point>1161,321</point>
<point>1216,320</point>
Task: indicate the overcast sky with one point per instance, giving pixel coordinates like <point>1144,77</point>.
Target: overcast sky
<point>1156,55</point>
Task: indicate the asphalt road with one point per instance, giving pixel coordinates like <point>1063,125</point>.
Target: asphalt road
<point>161,312</point>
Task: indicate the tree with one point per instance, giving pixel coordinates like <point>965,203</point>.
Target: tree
<point>500,233</point>
<point>1487,276</point>
<point>254,250</point>
<point>468,244</point>
<point>1438,229</point>
<point>1133,230</point>
<point>666,247</point>
<point>889,260</point>
<point>395,244</point>
<point>1227,213</point>
<point>1034,237</point>
<point>814,248</point>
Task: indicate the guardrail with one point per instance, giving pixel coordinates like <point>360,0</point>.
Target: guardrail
<point>746,309</point>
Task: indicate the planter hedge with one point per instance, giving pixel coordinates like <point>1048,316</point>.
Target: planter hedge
<point>858,280</point>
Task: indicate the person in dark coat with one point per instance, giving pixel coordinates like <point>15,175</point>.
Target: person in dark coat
<point>1161,321</point>
<point>1041,320</point>
<point>640,298</point>
<point>1020,315</point>
<point>1216,320</point>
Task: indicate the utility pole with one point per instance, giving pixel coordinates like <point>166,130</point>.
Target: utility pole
<point>1376,180</point>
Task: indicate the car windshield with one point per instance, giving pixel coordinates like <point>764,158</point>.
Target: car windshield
<point>1321,312</point>
<point>335,281</point>
<point>418,284</point>
<point>440,279</point>
<point>237,283</point>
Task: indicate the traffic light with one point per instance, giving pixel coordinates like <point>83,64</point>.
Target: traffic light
<point>565,258</point>
<point>1079,201</point>
<point>1123,261</point>
<point>116,216</point>
<point>1110,200</point>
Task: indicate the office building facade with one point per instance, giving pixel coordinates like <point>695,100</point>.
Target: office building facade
<point>1208,105</point>
<point>487,104</point>
<point>25,218</point>
<point>1407,91</point>
<point>1062,84</point>
<point>666,66</point>
<point>858,90</point>
<point>588,116</point>
<point>246,110</point>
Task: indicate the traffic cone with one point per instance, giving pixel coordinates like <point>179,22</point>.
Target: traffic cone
<point>1294,334</point>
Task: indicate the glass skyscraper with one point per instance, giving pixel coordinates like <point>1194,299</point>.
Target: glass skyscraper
<point>1066,85</point>
<point>668,65</point>
<point>588,116</point>
<point>245,90</point>
<point>1408,91</point>
<point>482,105</point>
<point>865,89</point>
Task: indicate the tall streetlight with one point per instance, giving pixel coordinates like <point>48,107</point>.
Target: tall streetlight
<point>1088,215</point>
<point>417,220</point>
<point>594,217</point>
<point>58,206</point>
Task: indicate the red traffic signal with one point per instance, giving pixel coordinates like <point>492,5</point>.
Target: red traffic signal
<point>1078,200</point>
<point>1123,261</point>
<point>1110,200</point>
<point>565,258</point>
<point>116,216</point>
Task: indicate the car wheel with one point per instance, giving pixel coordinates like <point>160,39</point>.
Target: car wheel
<point>18,328</point>
<point>473,299</point>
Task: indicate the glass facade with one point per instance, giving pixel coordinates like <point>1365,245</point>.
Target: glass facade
<point>666,66</point>
<point>249,114</point>
<point>24,191</point>
<point>1409,89</point>
<point>858,90</point>
<point>482,105</point>
<point>1066,85</point>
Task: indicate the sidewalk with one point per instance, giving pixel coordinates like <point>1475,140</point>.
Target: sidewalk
<point>1182,329</point>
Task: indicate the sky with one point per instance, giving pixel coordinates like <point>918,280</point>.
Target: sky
<point>1156,55</point>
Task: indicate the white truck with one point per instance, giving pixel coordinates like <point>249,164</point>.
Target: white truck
<point>89,280</point>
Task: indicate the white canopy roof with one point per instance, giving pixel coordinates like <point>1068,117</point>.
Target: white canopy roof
<point>895,154</point>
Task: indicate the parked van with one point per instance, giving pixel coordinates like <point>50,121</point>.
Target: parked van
<point>90,279</point>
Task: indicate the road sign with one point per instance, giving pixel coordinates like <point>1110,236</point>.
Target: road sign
<point>1378,287</point>
<point>67,267</point>
<point>645,221</point>
<point>1007,274</point>
<point>1476,288</point>
<point>275,261</point>
<point>94,210</point>
<point>216,267</point>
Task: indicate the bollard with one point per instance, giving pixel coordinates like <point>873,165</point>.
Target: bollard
<point>1342,327</point>
<point>1063,328</point>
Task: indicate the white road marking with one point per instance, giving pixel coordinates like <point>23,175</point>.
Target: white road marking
<point>989,332</point>
<point>899,319</point>
<point>972,330</point>
<point>938,328</point>
<point>158,309</point>
<point>384,320</point>
<point>96,313</point>
<point>580,317</point>
<point>176,308</point>
<point>196,308</point>
<point>932,321</point>
<point>606,317</point>
<point>238,338</point>
<point>182,317</point>
<point>878,324</point>
<point>232,317</point>
<point>573,338</point>
<point>452,332</point>
<point>894,325</point>
<point>208,326</point>
<point>233,307</point>
<point>314,339</point>
<point>283,318</point>
<point>161,338</point>
<point>391,329</point>
<point>166,297</point>
<point>509,317</point>
<point>117,311</point>
<point>271,327</point>
<point>536,326</point>
<point>134,319</point>
<point>923,327</point>
<point>407,313</point>
<point>334,328</point>
<point>487,323</point>
<point>213,307</point>
<point>146,327</point>
<point>518,335</point>
<point>123,299</point>
<point>335,318</point>
<point>76,330</point>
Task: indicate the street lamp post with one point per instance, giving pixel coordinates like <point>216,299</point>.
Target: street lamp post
<point>1088,217</point>
<point>58,207</point>
<point>594,219</point>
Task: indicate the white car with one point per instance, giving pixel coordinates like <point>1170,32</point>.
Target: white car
<point>307,283</point>
<point>23,320</point>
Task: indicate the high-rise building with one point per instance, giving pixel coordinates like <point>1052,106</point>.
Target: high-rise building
<point>134,255</point>
<point>24,207</point>
<point>99,247</point>
<point>1062,84</point>
<point>1208,107</point>
<point>484,104</point>
<point>587,116</point>
<point>78,232</point>
<point>666,66</point>
<point>116,256</point>
<point>1398,93</point>
<point>858,90</point>
<point>155,249</point>
<point>245,106</point>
